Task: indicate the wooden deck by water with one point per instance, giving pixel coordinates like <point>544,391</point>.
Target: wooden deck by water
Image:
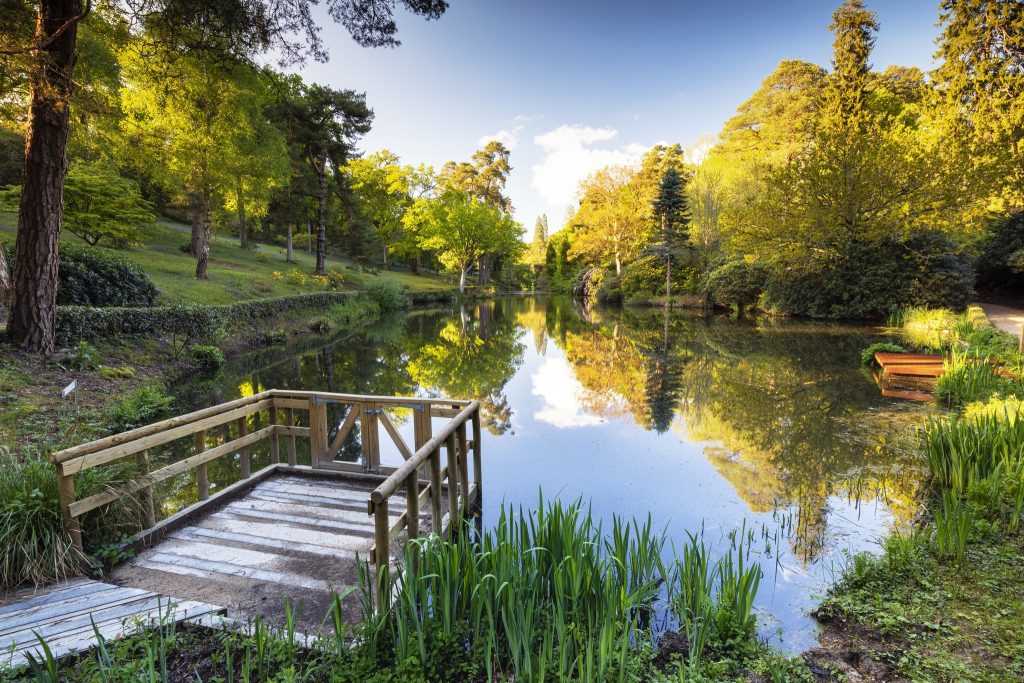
<point>64,615</point>
<point>289,537</point>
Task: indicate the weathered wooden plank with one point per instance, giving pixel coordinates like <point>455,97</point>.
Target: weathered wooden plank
<point>389,427</point>
<point>287,394</point>
<point>110,454</point>
<point>93,502</point>
<point>284,533</point>
<point>58,609</point>
<point>292,431</point>
<point>344,430</point>
<point>337,519</point>
<point>220,571</point>
<point>17,601</point>
<point>291,546</point>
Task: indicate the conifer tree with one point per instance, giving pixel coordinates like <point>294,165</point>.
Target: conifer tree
<point>844,99</point>
<point>671,211</point>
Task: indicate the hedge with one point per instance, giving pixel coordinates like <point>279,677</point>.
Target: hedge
<point>193,321</point>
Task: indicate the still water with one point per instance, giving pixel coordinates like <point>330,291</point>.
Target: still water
<point>715,426</point>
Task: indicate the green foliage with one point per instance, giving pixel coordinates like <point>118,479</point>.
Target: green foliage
<point>209,358</point>
<point>963,451</point>
<point>927,328</point>
<point>93,277</point>
<point>33,545</point>
<point>389,295</point>
<point>146,405</point>
<point>99,205</point>
<point>735,284</point>
<point>1000,262</point>
<point>867,356</point>
<point>967,379</point>
<point>83,356</point>
<point>109,372</point>
<point>953,524</point>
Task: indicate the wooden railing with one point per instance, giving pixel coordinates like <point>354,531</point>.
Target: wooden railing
<point>281,407</point>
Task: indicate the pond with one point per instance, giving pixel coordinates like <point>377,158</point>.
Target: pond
<point>766,430</point>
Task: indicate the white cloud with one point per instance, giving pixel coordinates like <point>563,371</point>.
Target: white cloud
<point>509,138</point>
<point>555,383</point>
<point>525,118</point>
<point>569,157</point>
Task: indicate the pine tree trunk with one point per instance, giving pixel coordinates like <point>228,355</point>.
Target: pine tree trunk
<point>205,234</point>
<point>668,281</point>
<point>321,222</point>
<point>32,323</point>
<point>289,258</point>
<point>5,283</point>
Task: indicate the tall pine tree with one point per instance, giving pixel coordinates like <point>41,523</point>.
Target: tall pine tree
<point>671,210</point>
<point>844,103</point>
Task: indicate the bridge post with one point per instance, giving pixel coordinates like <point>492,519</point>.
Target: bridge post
<point>275,442</point>
<point>463,466</point>
<point>66,491</point>
<point>477,460</point>
<point>202,481</point>
<point>289,418</point>
<point>382,552</point>
<point>148,511</point>
<point>453,486</point>
<point>243,430</point>
<point>368,433</point>
<point>435,489</point>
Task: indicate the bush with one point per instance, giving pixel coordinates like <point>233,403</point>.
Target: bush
<point>33,545</point>
<point>735,284</point>
<point>867,356</point>
<point>83,356</point>
<point>389,294</point>
<point>644,277</point>
<point>93,277</point>
<point>609,292</point>
<point>194,322</point>
<point>146,405</point>
<point>209,358</point>
<point>872,281</point>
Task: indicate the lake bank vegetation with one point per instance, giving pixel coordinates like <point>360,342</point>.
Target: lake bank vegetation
<point>841,193</point>
<point>908,613</point>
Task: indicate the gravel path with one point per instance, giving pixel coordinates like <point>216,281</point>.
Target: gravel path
<point>1005,318</point>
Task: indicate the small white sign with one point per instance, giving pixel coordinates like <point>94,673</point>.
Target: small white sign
<point>68,389</point>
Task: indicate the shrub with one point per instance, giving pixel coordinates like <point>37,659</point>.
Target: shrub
<point>194,322</point>
<point>609,292</point>
<point>146,405</point>
<point>735,284</point>
<point>33,545</point>
<point>644,277</point>
<point>867,356</point>
<point>83,356</point>
<point>209,358</point>
<point>389,294</point>
<point>108,372</point>
<point>89,276</point>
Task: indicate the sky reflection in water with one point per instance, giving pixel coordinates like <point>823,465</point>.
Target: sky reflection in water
<point>703,424</point>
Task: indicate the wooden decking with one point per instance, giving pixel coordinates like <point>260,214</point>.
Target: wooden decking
<point>289,537</point>
<point>908,375</point>
<point>64,615</point>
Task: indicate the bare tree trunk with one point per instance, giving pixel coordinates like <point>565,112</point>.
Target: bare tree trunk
<point>205,235</point>
<point>309,237</point>
<point>196,243</point>
<point>289,258</point>
<point>385,257</point>
<point>462,280</point>
<point>618,265</point>
<point>321,222</point>
<point>32,323</point>
<point>243,232</point>
<point>417,263</point>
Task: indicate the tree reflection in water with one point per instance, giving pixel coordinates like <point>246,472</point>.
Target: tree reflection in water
<point>780,408</point>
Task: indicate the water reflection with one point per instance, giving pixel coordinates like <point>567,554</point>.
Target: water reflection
<point>701,423</point>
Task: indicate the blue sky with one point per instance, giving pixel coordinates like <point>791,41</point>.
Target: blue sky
<point>572,85</point>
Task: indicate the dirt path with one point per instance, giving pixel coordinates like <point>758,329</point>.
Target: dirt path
<point>1005,318</point>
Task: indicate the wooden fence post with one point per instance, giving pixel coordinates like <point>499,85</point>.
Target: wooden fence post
<point>370,437</point>
<point>382,551</point>
<point>478,477</point>
<point>412,504</point>
<point>66,490</point>
<point>435,489</point>
<point>463,459</point>
<point>202,482</point>
<point>317,432</point>
<point>453,486</point>
<point>289,418</point>
<point>275,443</point>
<point>243,430</point>
<point>146,494</point>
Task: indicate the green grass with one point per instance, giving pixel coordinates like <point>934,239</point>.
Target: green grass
<point>235,274</point>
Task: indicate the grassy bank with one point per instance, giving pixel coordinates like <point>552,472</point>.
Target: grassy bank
<point>945,600</point>
<point>234,273</point>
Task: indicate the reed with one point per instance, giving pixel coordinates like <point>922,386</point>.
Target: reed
<point>953,524</point>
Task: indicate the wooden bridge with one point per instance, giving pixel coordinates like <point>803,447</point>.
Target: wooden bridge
<point>283,530</point>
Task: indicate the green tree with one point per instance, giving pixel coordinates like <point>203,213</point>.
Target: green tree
<point>843,103</point>
<point>99,204</point>
<point>980,90</point>
<point>672,212</point>
<point>611,221</point>
<point>325,124</point>
<point>382,189</point>
<point>46,55</point>
<point>462,228</point>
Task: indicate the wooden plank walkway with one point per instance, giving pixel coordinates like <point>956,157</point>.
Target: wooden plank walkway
<point>64,614</point>
<point>289,537</point>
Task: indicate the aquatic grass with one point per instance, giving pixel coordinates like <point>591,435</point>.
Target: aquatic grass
<point>968,379</point>
<point>953,524</point>
<point>927,328</point>
<point>963,451</point>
